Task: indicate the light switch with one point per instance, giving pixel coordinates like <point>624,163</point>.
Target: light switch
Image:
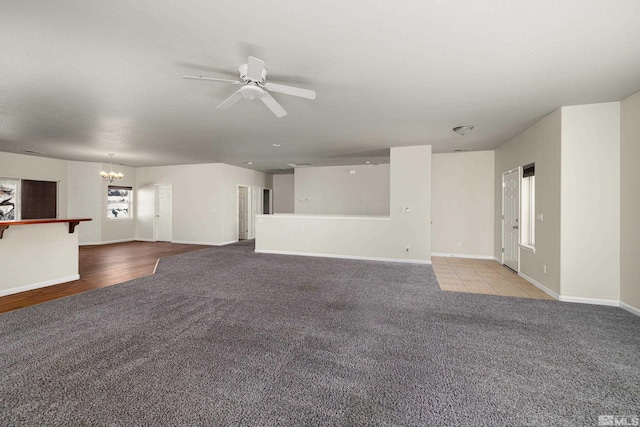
<point>539,217</point>
<point>352,171</point>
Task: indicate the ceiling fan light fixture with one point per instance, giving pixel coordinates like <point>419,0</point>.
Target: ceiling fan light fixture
<point>463,130</point>
<point>251,91</point>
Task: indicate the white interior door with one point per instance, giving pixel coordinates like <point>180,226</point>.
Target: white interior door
<point>256,209</point>
<point>163,224</point>
<point>243,213</point>
<point>510,218</point>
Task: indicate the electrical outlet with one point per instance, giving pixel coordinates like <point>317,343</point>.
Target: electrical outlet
<point>544,268</point>
<point>459,243</point>
<point>406,209</point>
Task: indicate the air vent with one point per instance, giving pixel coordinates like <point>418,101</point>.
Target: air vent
<point>459,150</point>
<point>278,171</point>
<point>32,152</point>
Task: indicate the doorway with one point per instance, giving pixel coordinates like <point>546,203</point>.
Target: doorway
<point>267,202</point>
<point>243,213</point>
<point>511,219</point>
<point>163,221</point>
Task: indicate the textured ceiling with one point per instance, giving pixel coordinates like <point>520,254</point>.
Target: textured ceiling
<point>80,79</point>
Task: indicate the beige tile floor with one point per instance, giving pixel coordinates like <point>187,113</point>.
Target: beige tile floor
<point>481,276</point>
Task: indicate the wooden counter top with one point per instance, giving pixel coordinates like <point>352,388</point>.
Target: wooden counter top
<point>72,223</point>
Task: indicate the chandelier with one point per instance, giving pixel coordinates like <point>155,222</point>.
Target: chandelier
<point>111,175</point>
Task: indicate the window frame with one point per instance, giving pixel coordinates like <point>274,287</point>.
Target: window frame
<point>112,204</point>
<point>528,208</point>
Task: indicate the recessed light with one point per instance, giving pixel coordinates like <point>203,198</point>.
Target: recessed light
<point>463,130</point>
<point>249,163</point>
<point>367,162</point>
<point>276,145</point>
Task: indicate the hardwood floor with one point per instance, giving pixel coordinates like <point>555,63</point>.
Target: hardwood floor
<point>100,266</point>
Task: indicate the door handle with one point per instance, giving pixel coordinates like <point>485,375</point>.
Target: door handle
<point>515,227</point>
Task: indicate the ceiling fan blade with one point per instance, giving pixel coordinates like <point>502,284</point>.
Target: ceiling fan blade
<point>235,82</point>
<point>273,105</point>
<point>237,95</point>
<point>254,69</point>
<point>290,90</point>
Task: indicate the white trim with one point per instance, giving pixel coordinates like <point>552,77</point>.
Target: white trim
<point>594,301</point>
<point>24,288</point>
<point>528,248</point>
<point>540,286</point>
<point>327,216</point>
<point>442,254</point>
<point>189,242</point>
<point>364,258</point>
<point>631,309</point>
<point>230,242</point>
<point>107,242</point>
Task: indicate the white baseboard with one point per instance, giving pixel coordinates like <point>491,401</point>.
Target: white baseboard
<point>32,286</point>
<point>540,286</point>
<point>189,242</point>
<point>631,309</point>
<point>581,300</point>
<point>363,258</point>
<point>227,243</point>
<point>442,254</point>
<point>593,301</point>
<point>106,242</point>
<point>144,239</point>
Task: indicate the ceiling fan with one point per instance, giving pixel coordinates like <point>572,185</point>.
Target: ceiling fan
<point>252,78</point>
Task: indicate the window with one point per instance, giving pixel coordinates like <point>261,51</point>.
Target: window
<point>528,199</point>
<point>9,199</point>
<point>27,199</point>
<point>119,202</point>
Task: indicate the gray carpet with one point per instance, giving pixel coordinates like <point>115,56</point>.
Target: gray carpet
<point>224,336</point>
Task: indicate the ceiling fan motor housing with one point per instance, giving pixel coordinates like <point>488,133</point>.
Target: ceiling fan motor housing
<point>243,74</point>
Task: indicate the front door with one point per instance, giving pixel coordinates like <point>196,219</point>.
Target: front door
<point>510,218</point>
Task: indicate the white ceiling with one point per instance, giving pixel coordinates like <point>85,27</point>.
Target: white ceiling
<point>80,79</point>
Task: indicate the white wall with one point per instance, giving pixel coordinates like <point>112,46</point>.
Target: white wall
<point>334,190</point>
<point>85,200</point>
<point>283,193</point>
<point>38,255</point>
<point>630,201</point>
<point>590,214</point>
<point>463,206</point>
<point>361,236</point>
<point>205,200</point>
<point>541,144</point>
